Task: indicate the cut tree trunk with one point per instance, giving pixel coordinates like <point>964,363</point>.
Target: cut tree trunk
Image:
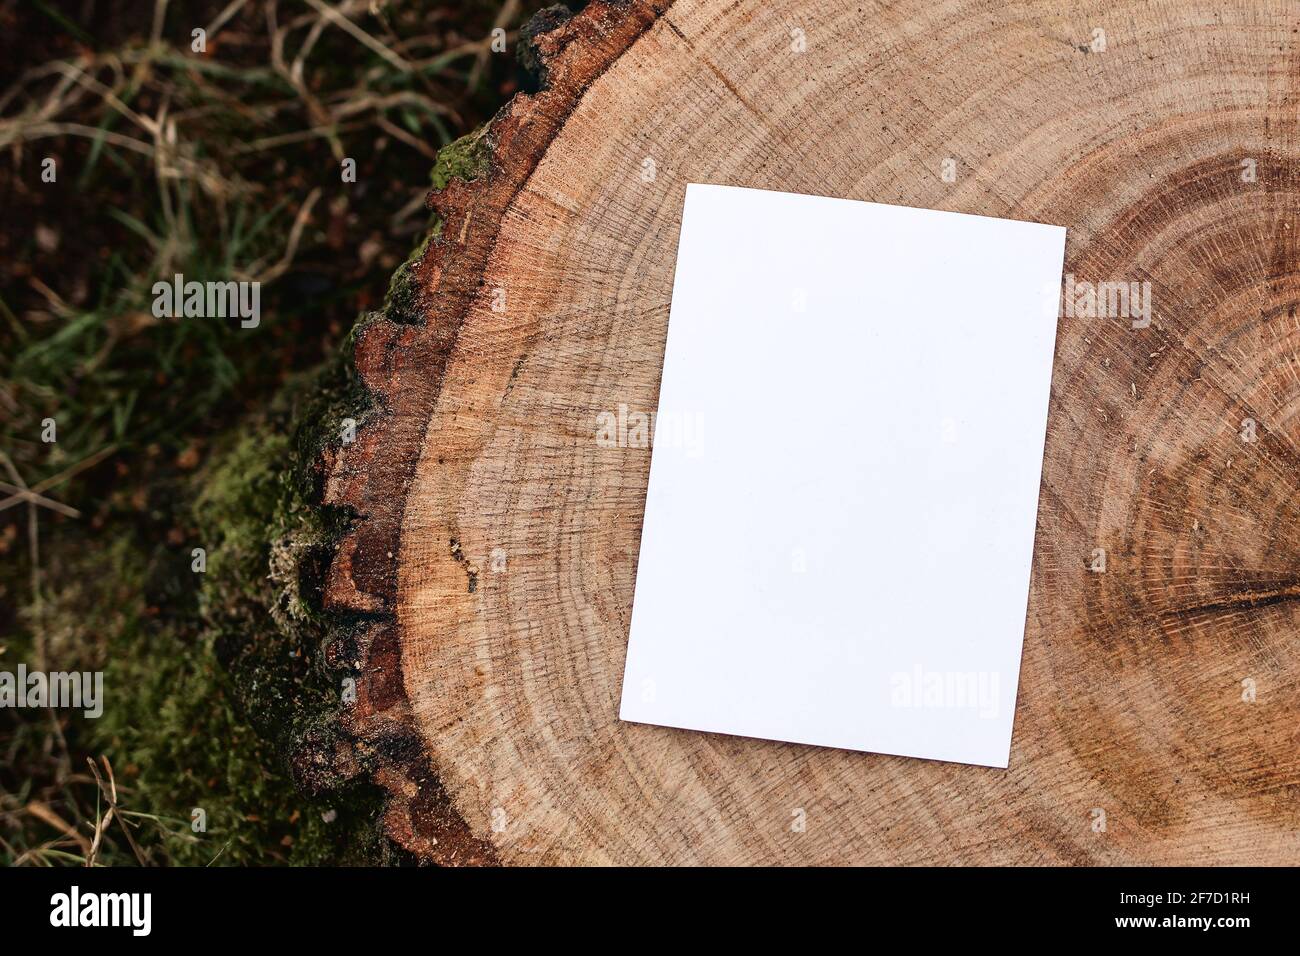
<point>493,553</point>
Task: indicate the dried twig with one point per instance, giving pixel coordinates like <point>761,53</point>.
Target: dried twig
<point>291,246</point>
<point>109,790</point>
<point>361,35</point>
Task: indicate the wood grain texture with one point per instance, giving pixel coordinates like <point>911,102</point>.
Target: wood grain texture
<point>494,551</point>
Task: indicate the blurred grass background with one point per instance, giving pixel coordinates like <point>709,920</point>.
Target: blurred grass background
<point>222,163</point>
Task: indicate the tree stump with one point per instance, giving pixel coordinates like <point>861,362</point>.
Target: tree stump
<point>492,552</point>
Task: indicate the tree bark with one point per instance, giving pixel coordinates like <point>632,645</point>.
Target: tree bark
<point>487,573</point>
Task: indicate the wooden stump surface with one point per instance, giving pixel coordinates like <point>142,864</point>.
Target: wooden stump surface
<point>494,553</point>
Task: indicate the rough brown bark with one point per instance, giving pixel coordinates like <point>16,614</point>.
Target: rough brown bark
<point>492,556</point>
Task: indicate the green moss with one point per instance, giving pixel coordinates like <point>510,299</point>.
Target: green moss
<point>268,636</point>
<point>466,158</point>
<point>178,733</point>
<point>402,303</point>
<point>208,676</point>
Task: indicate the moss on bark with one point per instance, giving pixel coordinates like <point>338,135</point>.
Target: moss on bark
<point>271,541</point>
<point>218,677</point>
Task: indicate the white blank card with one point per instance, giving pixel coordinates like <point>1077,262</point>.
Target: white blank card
<point>839,524</point>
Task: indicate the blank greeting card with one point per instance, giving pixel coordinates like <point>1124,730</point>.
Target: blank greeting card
<point>839,525</point>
